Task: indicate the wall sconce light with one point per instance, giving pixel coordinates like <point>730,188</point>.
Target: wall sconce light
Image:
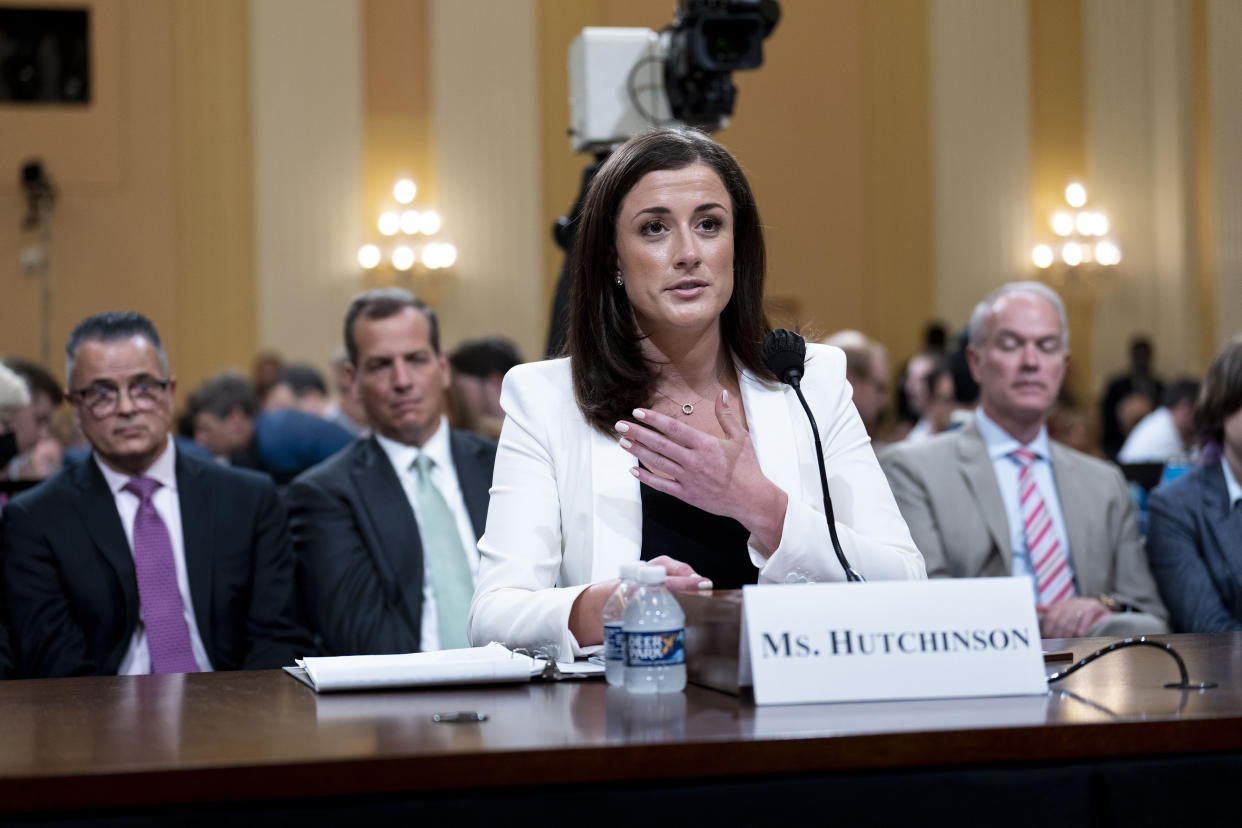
<point>1080,236</point>
<point>401,224</point>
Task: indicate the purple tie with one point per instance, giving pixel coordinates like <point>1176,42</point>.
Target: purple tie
<point>168,637</point>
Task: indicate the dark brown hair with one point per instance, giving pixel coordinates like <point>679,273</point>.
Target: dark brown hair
<point>611,378</point>
<point>1221,393</point>
<point>382,303</point>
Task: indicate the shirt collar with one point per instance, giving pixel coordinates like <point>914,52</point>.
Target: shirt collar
<point>163,470</point>
<point>402,456</point>
<point>1001,444</point>
<point>1232,487</point>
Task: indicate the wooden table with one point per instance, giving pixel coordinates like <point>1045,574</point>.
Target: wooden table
<point>259,743</point>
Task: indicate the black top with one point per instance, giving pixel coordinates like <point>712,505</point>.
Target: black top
<point>714,545</point>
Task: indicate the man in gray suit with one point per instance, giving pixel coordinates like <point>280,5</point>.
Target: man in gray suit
<point>997,497</point>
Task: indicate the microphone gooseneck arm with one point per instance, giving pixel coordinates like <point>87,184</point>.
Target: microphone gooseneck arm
<point>784,354</point>
<point>851,574</point>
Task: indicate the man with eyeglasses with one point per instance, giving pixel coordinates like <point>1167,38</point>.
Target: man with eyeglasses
<point>144,559</point>
<point>998,497</point>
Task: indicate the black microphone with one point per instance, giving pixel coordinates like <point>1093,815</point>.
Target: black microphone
<point>784,354</point>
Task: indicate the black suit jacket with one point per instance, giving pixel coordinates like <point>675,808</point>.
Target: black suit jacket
<point>72,589</point>
<point>360,557</point>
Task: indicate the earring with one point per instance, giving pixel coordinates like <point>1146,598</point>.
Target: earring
<point>620,280</point>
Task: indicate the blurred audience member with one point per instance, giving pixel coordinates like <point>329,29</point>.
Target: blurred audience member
<point>866,368</point>
<point>1074,428</point>
<point>16,432</point>
<point>941,399</point>
<point>266,368</point>
<point>935,339</point>
<point>1138,383</point>
<point>282,443</point>
<point>44,456</point>
<point>1195,536</point>
<point>387,530</point>
<point>300,387</point>
<point>143,560</point>
<point>346,410</point>
<point>1167,432</point>
<point>912,423</point>
<point>479,366</point>
<point>997,497</point>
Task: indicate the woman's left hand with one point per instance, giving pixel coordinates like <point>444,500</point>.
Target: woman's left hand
<point>721,476</point>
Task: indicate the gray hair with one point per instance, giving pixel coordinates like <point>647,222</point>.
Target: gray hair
<point>985,309</point>
<point>113,326</point>
<point>13,390</point>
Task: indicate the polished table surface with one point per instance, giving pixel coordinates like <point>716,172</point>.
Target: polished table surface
<point>243,736</point>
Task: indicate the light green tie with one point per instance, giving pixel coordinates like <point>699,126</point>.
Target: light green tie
<point>450,573</point>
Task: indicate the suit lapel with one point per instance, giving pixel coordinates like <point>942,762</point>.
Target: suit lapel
<point>1076,505</point>
<point>103,525</point>
<point>474,479</point>
<point>1224,524</point>
<point>776,434</point>
<point>980,477</point>
<point>399,548</point>
<point>198,533</point>
<point>617,528</point>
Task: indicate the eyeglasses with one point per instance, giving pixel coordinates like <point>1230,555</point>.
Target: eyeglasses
<point>102,397</point>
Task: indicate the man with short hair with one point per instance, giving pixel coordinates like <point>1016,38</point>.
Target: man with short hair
<point>1167,432</point>
<point>479,367</point>
<point>997,497</point>
<point>142,559</point>
<point>866,368</point>
<point>298,386</point>
<point>386,530</point>
<point>283,443</point>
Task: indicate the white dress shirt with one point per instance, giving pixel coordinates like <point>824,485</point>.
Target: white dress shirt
<point>1232,487</point>
<point>137,658</point>
<point>1154,439</point>
<point>1000,446</point>
<point>444,476</point>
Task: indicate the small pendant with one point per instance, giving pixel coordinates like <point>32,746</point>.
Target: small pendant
<point>687,409</point>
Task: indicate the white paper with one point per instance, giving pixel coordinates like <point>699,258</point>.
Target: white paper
<point>474,665</point>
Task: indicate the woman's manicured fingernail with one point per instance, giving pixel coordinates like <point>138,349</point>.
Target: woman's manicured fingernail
<point>625,443</point>
<point>634,470</point>
<point>622,427</point>
<point>640,414</point>
<point>705,584</point>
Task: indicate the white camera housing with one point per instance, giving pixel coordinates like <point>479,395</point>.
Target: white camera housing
<point>609,70</point>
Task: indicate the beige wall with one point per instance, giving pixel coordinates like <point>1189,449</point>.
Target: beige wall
<point>237,152</point>
<point>308,138</point>
<point>114,227</point>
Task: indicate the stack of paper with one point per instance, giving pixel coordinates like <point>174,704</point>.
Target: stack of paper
<point>476,665</point>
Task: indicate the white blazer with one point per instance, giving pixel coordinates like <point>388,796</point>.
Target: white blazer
<point>565,511</point>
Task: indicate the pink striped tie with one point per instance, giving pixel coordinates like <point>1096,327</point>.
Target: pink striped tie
<point>1052,574</point>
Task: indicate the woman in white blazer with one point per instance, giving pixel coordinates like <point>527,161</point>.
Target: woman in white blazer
<point>663,436</point>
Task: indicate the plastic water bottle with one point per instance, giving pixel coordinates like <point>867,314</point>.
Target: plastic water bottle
<point>655,637</point>
<point>614,636</point>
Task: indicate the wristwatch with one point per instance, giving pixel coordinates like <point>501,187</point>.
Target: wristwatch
<point>1112,604</point>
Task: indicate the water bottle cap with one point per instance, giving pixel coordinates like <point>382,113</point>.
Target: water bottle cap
<point>651,575</point>
<point>629,571</point>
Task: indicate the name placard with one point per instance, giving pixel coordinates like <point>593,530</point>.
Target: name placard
<point>951,638</point>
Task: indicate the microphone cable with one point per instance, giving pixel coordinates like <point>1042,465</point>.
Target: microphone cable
<point>784,353</point>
